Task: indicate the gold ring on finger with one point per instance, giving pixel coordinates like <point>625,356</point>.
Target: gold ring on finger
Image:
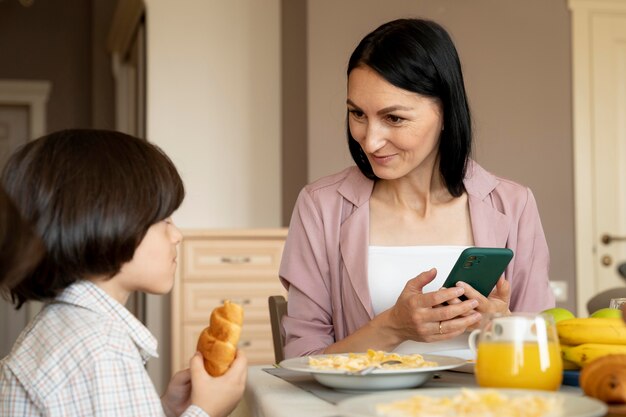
<point>440,329</point>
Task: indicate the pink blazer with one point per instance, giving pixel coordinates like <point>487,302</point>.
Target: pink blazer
<point>324,263</point>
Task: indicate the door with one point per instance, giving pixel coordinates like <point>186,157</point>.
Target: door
<point>599,73</point>
<point>609,147</point>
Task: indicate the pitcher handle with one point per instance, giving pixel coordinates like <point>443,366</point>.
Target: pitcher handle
<point>472,340</point>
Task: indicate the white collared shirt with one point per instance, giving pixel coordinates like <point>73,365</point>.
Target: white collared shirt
<point>84,354</point>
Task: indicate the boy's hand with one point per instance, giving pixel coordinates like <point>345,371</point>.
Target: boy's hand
<point>177,397</point>
<point>218,396</point>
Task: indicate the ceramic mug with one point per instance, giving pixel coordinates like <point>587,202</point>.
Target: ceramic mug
<point>517,351</point>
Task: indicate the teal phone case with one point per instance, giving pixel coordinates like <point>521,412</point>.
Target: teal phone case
<point>479,267</point>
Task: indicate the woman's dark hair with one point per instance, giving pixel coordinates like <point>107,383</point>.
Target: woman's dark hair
<point>91,196</point>
<point>20,248</point>
<point>419,56</point>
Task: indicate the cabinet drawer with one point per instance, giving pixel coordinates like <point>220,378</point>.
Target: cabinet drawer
<point>200,298</point>
<point>206,259</point>
<point>255,341</point>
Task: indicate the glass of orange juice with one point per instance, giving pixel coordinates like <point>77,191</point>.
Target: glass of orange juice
<point>517,351</point>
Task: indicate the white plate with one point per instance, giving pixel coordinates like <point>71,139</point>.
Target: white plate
<point>467,354</point>
<point>379,379</point>
<point>573,405</point>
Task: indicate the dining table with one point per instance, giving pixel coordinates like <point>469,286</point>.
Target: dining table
<point>272,391</point>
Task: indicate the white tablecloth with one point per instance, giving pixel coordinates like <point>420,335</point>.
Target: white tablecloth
<point>270,396</point>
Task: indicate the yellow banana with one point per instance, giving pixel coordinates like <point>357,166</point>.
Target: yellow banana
<point>592,330</point>
<point>567,364</point>
<point>570,366</point>
<point>585,353</point>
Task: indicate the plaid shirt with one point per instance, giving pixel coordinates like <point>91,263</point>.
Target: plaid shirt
<point>83,355</point>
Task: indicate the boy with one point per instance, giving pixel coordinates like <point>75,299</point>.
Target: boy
<point>101,202</point>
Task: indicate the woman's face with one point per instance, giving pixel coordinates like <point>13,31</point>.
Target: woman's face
<point>397,129</point>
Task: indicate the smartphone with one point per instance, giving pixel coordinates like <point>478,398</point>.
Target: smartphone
<point>479,267</point>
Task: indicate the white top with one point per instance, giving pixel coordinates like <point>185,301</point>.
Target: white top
<point>389,269</point>
<point>82,355</point>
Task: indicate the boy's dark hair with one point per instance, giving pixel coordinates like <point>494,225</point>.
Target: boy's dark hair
<point>419,56</point>
<point>91,196</point>
<point>20,248</point>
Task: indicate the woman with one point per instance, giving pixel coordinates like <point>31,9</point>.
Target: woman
<point>416,200</point>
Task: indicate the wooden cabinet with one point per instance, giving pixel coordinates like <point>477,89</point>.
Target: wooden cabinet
<point>238,265</point>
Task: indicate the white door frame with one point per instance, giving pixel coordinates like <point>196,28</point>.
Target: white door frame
<point>33,94</point>
<point>582,94</point>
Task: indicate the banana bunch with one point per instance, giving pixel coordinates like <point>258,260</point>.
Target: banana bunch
<point>587,352</point>
<point>592,330</point>
<point>585,339</point>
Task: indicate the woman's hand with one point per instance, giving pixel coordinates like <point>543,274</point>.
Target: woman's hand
<point>426,317</point>
<point>497,302</point>
<point>218,396</point>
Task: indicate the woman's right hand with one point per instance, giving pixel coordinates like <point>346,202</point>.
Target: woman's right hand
<point>426,317</point>
<point>218,396</point>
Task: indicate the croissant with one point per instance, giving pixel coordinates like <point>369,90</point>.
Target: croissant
<point>218,341</point>
<point>605,379</point>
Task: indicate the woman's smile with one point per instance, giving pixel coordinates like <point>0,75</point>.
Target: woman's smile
<point>382,159</point>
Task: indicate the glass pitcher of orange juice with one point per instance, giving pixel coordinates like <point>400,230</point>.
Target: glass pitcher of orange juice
<point>517,351</point>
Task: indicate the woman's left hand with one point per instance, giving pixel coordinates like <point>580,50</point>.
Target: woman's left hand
<point>498,300</point>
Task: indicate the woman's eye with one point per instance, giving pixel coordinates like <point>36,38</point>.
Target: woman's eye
<point>394,119</point>
<point>357,114</point>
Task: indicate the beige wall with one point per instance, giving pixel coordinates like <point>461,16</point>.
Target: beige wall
<point>213,102</point>
<point>516,60</point>
<point>213,105</point>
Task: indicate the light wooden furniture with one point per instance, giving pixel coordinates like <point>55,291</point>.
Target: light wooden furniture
<point>214,265</point>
